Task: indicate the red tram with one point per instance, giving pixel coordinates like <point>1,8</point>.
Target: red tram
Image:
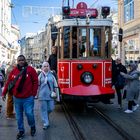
<point>84,53</point>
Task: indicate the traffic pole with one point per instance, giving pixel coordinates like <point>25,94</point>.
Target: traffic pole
<point>122,51</point>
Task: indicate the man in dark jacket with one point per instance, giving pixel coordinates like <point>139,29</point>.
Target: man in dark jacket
<point>24,91</point>
<point>119,79</point>
<point>53,59</point>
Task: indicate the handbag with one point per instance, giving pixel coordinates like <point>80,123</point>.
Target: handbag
<point>53,94</point>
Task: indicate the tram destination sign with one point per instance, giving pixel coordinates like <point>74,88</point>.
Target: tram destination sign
<point>82,11</point>
<point>93,13</point>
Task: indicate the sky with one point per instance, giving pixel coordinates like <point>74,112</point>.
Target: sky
<point>32,15</point>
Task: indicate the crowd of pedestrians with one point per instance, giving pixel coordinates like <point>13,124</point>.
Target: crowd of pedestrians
<point>126,82</point>
<point>23,84</point>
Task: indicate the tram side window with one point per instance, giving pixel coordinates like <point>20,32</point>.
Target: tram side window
<point>66,35</point>
<point>95,42</point>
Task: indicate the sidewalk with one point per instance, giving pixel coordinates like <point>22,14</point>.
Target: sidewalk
<point>8,127</point>
<point>58,122</point>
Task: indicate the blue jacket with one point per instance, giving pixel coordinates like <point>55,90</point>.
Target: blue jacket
<point>44,90</point>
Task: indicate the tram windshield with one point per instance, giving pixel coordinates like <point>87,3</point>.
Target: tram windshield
<point>95,42</point>
<point>86,42</point>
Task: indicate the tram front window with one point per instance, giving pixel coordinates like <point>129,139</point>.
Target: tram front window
<point>95,42</point>
<point>86,42</point>
<point>83,42</point>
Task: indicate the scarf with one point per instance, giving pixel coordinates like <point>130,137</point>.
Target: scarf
<point>20,86</point>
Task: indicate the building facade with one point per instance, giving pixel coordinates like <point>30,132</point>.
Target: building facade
<point>115,28</point>
<point>5,30</point>
<point>9,34</point>
<point>33,46</point>
<point>129,21</point>
<point>14,43</point>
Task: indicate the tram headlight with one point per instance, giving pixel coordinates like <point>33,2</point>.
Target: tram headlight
<point>87,78</point>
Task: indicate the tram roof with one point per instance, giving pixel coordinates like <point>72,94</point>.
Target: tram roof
<point>83,22</point>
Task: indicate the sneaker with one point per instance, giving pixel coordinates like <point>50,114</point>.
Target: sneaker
<point>135,107</point>
<point>10,117</point>
<point>110,102</point>
<point>46,126</point>
<point>128,111</point>
<point>33,131</point>
<point>20,135</point>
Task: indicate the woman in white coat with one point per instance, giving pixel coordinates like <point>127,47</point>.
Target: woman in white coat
<point>47,84</point>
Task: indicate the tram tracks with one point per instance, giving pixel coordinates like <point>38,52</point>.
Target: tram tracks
<point>72,123</point>
<point>121,131</point>
<point>78,133</point>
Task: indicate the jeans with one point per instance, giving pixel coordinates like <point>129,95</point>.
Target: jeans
<point>27,105</point>
<point>118,90</point>
<point>46,107</point>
